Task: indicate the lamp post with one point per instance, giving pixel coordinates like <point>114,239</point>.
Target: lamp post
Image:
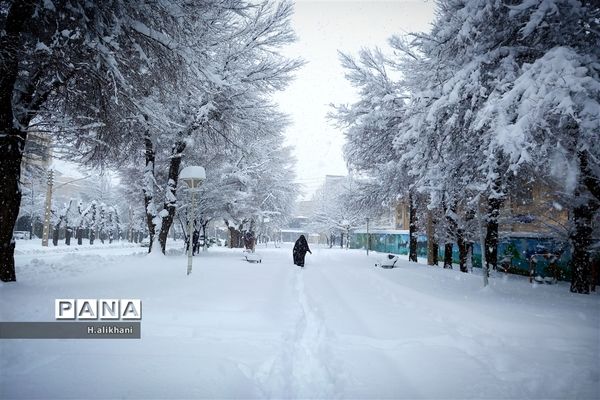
<point>192,176</point>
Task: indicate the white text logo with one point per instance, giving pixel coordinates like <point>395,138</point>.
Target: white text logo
<point>98,309</point>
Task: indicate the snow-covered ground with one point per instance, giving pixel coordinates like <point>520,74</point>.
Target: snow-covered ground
<point>339,328</point>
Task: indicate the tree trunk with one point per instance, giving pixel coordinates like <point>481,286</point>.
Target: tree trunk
<point>590,180</point>
<point>170,195</point>
<point>10,197</point>
<point>448,255</point>
<point>469,265</point>
<point>347,239</point>
<point>491,237</point>
<point>148,187</point>
<point>12,139</point>
<point>412,229</point>
<point>462,249</point>
<point>451,228</point>
<point>581,239</point>
<point>463,245</point>
<point>234,237</point>
<point>79,236</point>
<point>92,236</point>
<point>68,233</point>
<point>205,236</point>
<point>432,245</point>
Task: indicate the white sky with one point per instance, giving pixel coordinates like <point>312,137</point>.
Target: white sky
<point>323,28</point>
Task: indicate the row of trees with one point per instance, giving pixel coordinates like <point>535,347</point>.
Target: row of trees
<point>97,219</point>
<point>147,88</point>
<point>499,95</point>
<point>335,213</point>
<point>230,127</point>
<point>64,209</point>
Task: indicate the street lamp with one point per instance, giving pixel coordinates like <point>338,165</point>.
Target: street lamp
<point>192,176</point>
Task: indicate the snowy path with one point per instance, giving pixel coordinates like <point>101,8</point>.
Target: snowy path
<point>339,328</point>
<point>303,366</point>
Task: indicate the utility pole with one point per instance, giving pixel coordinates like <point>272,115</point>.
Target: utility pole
<point>48,209</point>
<point>31,213</point>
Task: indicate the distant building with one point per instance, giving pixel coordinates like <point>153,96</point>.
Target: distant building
<point>401,215</point>
<point>332,187</point>
<point>305,208</point>
<point>290,235</point>
<point>69,185</point>
<point>38,151</point>
<point>389,219</point>
<point>298,222</point>
<point>533,208</point>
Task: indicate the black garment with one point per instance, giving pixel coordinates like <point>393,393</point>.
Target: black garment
<point>249,240</point>
<point>300,249</point>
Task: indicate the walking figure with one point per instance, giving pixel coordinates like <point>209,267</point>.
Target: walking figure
<point>249,241</point>
<point>300,249</point>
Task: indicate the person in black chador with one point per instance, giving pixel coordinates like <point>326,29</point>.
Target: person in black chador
<point>300,249</point>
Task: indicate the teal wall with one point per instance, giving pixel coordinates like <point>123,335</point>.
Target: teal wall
<point>396,243</point>
<point>516,249</point>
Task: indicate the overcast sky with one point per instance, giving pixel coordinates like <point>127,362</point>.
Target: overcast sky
<point>323,28</point>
